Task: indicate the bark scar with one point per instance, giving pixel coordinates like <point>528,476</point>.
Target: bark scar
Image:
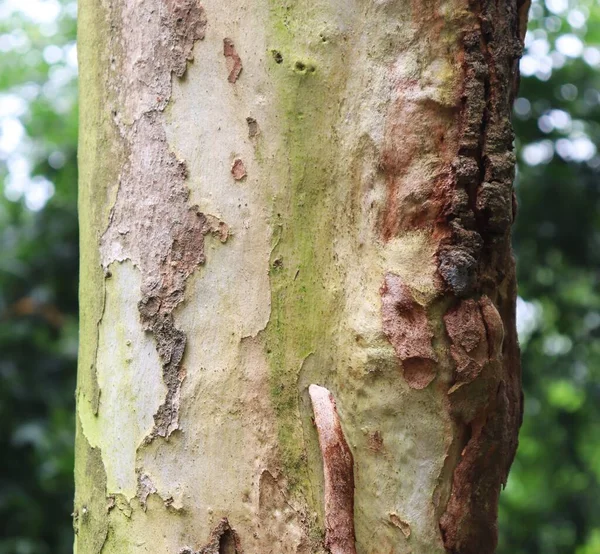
<point>223,540</point>
<point>338,469</point>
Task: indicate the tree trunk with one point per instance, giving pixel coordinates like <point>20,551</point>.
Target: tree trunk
<point>276,194</point>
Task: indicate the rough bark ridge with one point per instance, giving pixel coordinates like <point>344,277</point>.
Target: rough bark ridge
<point>469,209</point>
<point>476,265</point>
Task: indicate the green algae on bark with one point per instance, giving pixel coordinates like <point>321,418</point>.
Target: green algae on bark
<point>308,75</point>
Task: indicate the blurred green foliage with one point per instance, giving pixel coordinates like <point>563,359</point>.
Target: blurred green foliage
<point>552,501</point>
<point>38,274</point>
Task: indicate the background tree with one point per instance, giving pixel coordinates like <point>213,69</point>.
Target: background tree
<point>550,504</point>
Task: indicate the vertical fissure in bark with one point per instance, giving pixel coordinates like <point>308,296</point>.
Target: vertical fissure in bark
<point>338,470</point>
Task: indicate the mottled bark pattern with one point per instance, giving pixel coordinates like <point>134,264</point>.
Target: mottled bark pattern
<point>359,168</point>
<point>152,222</point>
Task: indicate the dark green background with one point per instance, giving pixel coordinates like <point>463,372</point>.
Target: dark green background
<point>552,502</point>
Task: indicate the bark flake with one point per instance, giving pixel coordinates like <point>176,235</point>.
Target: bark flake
<point>144,489</point>
<point>253,129</point>
<point>338,469</point>
<point>406,327</point>
<point>238,169</point>
<point>403,525</point>
<point>233,60</point>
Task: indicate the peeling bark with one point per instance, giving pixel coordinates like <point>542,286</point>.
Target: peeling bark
<point>406,327</point>
<point>152,222</point>
<point>145,489</point>
<point>338,467</point>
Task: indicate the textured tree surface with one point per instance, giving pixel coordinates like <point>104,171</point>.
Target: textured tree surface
<point>276,194</point>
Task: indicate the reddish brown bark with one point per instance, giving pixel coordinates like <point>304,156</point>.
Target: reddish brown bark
<point>469,210</point>
<point>406,327</point>
<point>338,469</point>
<point>234,62</point>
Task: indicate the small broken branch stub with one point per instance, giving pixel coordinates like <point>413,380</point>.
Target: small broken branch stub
<point>338,469</point>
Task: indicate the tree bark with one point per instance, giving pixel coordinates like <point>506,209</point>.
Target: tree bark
<point>284,193</point>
